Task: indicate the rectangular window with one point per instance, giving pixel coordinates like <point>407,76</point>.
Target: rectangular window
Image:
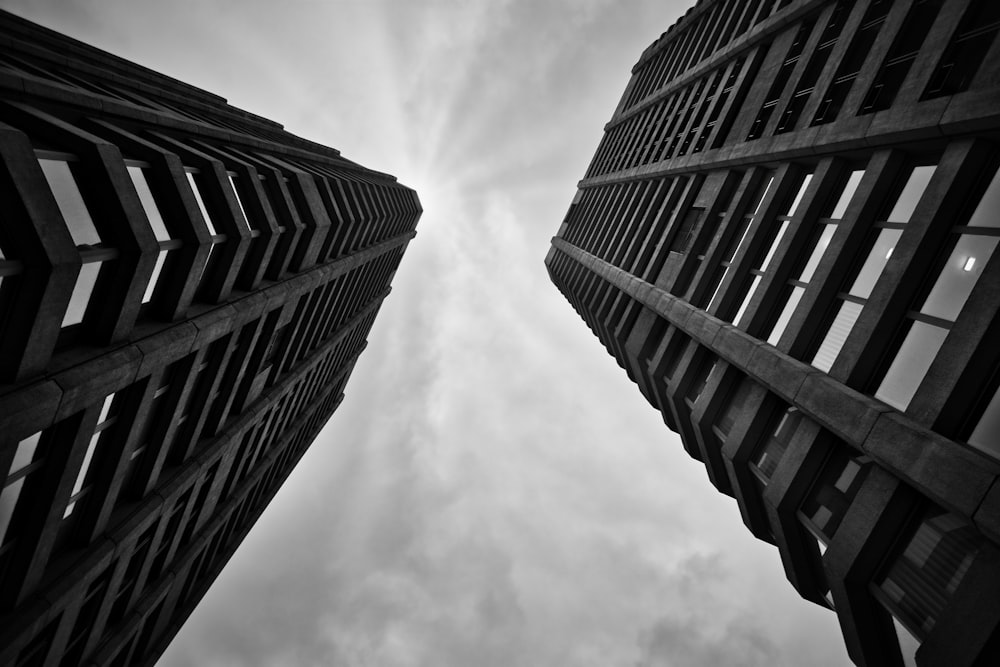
<point>901,55</point>
<point>967,50</point>
<point>925,331</point>
<point>769,452</point>
<point>737,240</point>
<point>886,236</point>
<point>836,335</point>
<point>93,251</point>
<point>762,266</point>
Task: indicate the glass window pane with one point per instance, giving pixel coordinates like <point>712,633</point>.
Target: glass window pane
<point>236,192</point>
<point>85,466</point>
<point>742,232</point>
<point>106,408</point>
<point>25,453</point>
<point>835,337</point>
<point>786,315</point>
<point>910,196</point>
<point>8,501</point>
<point>877,259</point>
<point>817,254</point>
<point>208,260</point>
<point>746,301</point>
<point>148,295</point>
<point>763,194</point>
<point>959,276</point>
<point>799,195</point>
<point>70,202</point>
<point>774,246</point>
<point>907,371</point>
<point>908,644</point>
<point>81,293</point>
<point>845,197</point>
<point>201,204</point>
<point>770,452</point>
<point>986,436</point>
<point>148,203</point>
<point>987,214</point>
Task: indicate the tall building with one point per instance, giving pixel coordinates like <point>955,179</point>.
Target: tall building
<point>786,238</point>
<point>184,290</point>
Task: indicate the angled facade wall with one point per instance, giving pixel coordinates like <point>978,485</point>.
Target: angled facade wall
<point>184,290</point>
<point>787,239</point>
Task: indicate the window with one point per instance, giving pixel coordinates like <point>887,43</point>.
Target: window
<point>920,579</point>
<point>704,371</point>
<point>93,461</point>
<point>852,62</point>
<point>85,619</point>
<point>985,435</point>
<point>738,238</point>
<point>165,239</point>
<point>828,500</point>
<point>769,451</point>
<point>967,49</point>
<point>206,271</point>
<point>886,234</point>
<point>89,242</point>
<point>778,85</point>
<point>29,458</point>
<point>903,52</point>
<point>925,330</point>
<point>762,266</point>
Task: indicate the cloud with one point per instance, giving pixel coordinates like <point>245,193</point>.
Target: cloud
<point>493,490</point>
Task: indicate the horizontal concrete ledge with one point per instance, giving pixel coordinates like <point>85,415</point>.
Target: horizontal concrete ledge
<point>947,472</point>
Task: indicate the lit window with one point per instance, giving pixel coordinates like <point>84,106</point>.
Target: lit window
<point>929,327</point>
<point>879,255</point>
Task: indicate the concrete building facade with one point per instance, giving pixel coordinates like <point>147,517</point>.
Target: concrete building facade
<point>184,290</point>
<point>787,239</point>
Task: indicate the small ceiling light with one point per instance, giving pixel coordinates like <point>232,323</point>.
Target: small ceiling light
<point>969,263</point>
<point>889,254</point>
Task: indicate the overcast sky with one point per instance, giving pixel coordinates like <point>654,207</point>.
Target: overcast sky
<point>493,491</point>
